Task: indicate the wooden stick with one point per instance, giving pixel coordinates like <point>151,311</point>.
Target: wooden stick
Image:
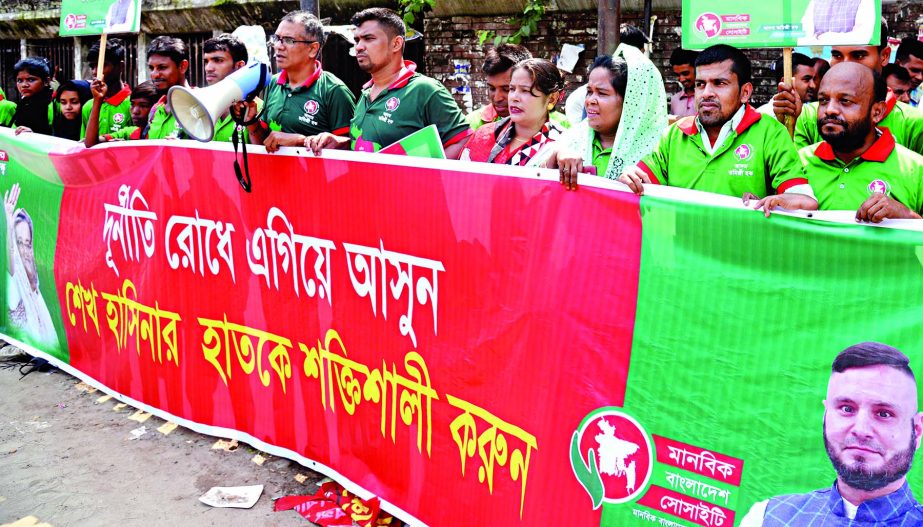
<point>102,57</point>
<point>787,75</point>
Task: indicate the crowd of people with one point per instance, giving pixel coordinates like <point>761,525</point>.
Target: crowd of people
<point>856,145</point>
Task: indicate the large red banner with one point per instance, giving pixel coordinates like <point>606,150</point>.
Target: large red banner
<point>422,333</point>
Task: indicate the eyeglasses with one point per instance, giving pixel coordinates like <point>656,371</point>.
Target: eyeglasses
<point>287,41</point>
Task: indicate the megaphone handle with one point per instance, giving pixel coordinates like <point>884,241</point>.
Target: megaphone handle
<point>242,177</point>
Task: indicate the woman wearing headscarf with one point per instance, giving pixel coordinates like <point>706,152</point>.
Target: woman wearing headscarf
<point>626,115</point>
<point>536,86</point>
<point>68,117</point>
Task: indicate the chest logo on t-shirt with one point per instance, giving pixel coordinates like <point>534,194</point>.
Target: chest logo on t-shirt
<point>118,118</point>
<point>392,104</point>
<point>743,152</point>
<point>878,186</point>
<point>311,107</point>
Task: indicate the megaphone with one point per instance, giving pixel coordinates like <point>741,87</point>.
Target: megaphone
<point>197,110</point>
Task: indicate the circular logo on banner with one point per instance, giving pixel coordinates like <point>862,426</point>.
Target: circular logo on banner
<point>615,456</point>
<point>743,152</point>
<point>70,21</point>
<point>878,186</point>
<point>392,104</point>
<point>118,118</point>
<point>708,24</point>
<point>311,107</point>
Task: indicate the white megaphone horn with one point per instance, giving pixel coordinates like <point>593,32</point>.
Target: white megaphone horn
<point>197,110</point>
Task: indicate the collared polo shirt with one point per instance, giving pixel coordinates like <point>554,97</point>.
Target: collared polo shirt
<point>162,123</point>
<point>757,157</point>
<point>322,103</point>
<point>411,103</point>
<point>114,112</point>
<point>904,121</point>
<point>885,167</point>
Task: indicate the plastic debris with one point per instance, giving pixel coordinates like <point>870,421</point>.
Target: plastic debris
<point>258,459</point>
<point>137,433</point>
<point>119,407</point>
<point>236,497</point>
<point>103,399</point>
<point>334,506</point>
<point>301,478</point>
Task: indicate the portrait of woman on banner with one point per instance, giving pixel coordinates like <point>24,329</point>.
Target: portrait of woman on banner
<point>25,305</point>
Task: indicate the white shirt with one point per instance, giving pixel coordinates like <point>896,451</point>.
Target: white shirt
<point>725,132</point>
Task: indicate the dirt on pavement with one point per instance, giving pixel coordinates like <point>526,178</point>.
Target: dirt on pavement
<point>68,460</point>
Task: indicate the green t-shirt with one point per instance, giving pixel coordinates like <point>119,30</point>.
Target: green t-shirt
<point>411,103</point>
<point>885,167</point>
<point>322,104</point>
<point>600,156</point>
<point>904,121</point>
<point>487,114</point>
<point>757,157</point>
<point>163,124</point>
<point>7,112</point>
<point>114,113</point>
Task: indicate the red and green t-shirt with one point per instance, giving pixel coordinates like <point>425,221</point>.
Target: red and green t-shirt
<point>757,157</point>
<point>886,167</point>
<point>410,103</point>
<point>322,103</point>
<point>904,121</point>
<point>114,113</point>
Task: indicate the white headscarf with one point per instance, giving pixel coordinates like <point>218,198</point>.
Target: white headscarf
<point>644,116</point>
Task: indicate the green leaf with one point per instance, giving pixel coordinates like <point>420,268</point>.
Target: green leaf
<point>525,30</point>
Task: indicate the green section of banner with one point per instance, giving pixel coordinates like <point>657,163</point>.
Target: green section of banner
<point>32,192</point>
<point>781,23</point>
<point>95,17</point>
<point>739,319</point>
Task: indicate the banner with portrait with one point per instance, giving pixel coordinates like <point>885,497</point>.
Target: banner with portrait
<point>458,338</point>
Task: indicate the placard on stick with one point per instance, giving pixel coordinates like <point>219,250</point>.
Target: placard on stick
<point>781,23</point>
<point>99,17</point>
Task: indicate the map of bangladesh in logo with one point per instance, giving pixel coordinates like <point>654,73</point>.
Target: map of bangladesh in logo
<point>611,455</point>
<point>709,24</point>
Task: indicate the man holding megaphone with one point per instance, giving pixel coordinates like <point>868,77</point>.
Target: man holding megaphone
<point>303,100</point>
<point>223,55</point>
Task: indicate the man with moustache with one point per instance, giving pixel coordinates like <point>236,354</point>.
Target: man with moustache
<point>397,101</point>
<point>303,100</point>
<point>904,121</point>
<point>858,166</point>
<point>728,148</point>
<point>497,69</point>
<point>872,430</point>
<point>167,63</point>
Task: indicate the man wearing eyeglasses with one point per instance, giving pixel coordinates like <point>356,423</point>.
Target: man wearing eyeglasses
<point>303,99</point>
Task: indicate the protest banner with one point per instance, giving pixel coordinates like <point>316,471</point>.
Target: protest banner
<point>471,343</point>
<point>780,24</point>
